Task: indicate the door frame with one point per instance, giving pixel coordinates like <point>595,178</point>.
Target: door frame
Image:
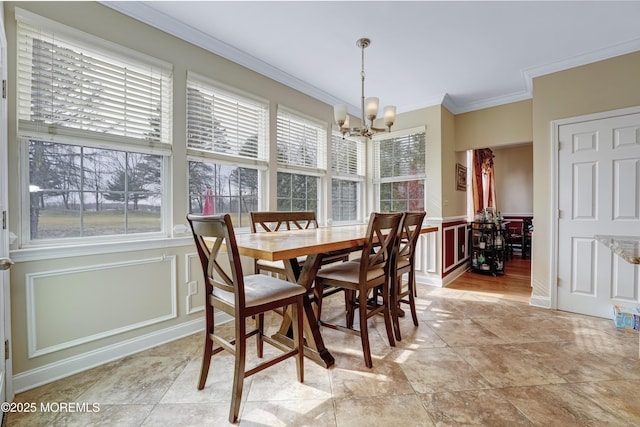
<point>5,300</point>
<point>555,186</point>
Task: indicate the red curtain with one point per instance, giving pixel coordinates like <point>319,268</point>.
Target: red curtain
<point>483,182</point>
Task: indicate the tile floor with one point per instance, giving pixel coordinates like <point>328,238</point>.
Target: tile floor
<point>475,359</point>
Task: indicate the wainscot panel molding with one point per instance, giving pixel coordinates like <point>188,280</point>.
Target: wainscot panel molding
<point>113,247</point>
<point>69,307</point>
<point>454,244</point>
<point>192,279</point>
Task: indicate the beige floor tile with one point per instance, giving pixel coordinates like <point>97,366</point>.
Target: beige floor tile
<point>299,413</point>
<point>217,388</point>
<point>138,379</point>
<point>189,415</point>
<point>465,332</point>
<point>440,369</point>
<point>473,408</point>
<point>563,405</point>
<point>474,359</point>
<point>108,415</point>
<point>398,410</point>
<point>509,365</point>
<point>282,383</point>
<point>353,379</point>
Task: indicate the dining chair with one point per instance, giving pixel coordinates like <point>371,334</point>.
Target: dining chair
<point>513,240</point>
<point>362,277</point>
<point>527,229</point>
<point>273,221</point>
<point>403,262</point>
<point>276,221</point>
<point>241,297</point>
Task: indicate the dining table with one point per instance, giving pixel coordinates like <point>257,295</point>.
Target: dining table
<point>314,244</point>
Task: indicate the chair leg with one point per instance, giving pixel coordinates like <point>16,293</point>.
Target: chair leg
<point>412,300</point>
<point>395,305</point>
<point>386,297</point>
<point>238,373</point>
<point>298,338</point>
<point>364,329</point>
<point>349,303</point>
<point>259,340</point>
<point>206,360</point>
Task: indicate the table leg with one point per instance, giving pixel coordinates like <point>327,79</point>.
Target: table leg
<point>314,344</point>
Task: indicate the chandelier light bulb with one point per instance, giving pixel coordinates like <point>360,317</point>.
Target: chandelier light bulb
<point>389,115</point>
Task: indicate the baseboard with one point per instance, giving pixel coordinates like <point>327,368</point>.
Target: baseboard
<point>542,302</point>
<point>424,279</point>
<point>454,274</point>
<point>73,365</point>
<point>441,282</point>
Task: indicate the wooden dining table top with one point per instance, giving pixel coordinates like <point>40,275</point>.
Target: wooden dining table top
<point>294,243</point>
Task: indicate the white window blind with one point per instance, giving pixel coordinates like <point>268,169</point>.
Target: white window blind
<point>401,156</point>
<point>69,84</point>
<point>347,156</point>
<point>300,141</point>
<point>223,122</point>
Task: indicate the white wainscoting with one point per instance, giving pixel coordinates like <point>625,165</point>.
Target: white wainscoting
<point>193,271</point>
<point>73,306</point>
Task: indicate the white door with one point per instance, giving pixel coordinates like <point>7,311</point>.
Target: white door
<point>598,193</point>
<point>6,386</point>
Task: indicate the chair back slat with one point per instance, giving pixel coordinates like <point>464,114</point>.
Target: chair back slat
<point>210,232</point>
<point>382,233</point>
<point>276,221</point>
<point>408,234</point>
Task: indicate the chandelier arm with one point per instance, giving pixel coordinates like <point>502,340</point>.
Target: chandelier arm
<point>378,129</point>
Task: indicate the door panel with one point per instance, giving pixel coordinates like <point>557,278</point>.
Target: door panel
<point>599,193</point>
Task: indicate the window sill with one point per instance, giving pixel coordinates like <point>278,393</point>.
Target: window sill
<point>55,252</point>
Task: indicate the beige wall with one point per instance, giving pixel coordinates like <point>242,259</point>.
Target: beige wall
<point>496,126</point>
<point>601,86</point>
<point>514,179</point>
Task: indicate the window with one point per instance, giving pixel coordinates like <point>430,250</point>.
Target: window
<point>297,192</point>
<point>347,167</point>
<point>227,148</point>
<point>94,128</point>
<point>399,172</point>
<point>301,161</point>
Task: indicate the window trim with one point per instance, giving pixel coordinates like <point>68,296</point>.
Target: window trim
<point>28,130</point>
<point>376,180</point>
<point>360,179</point>
<point>213,157</point>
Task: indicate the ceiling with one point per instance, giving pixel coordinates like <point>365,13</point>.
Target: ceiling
<point>465,55</point>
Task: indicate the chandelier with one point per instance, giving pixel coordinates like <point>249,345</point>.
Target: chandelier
<point>369,109</point>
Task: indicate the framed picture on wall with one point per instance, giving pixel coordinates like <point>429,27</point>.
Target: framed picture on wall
<point>461,177</point>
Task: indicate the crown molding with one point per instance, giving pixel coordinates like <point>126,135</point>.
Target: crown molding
<point>578,60</point>
<point>168,24</point>
<point>494,102</point>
